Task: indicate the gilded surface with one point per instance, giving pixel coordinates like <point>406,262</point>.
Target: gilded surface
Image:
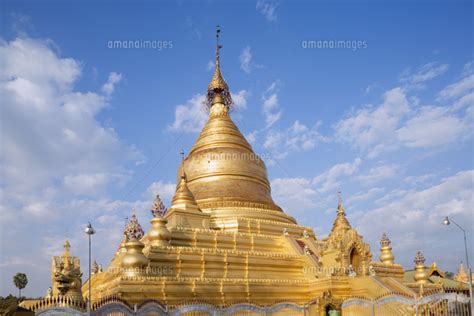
<point>224,241</point>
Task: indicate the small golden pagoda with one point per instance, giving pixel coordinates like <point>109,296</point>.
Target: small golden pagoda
<point>224,241</point>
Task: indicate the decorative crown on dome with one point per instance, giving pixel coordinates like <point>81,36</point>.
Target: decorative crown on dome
<point>218,86</point>
<point>158,209</point>
<point>419,258</point>
<point>385,241</point>
<point>133,228</point>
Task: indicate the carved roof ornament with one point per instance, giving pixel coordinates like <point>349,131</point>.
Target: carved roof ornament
<point>158,209</point>
<point>218,86</point>
<point>385,242</point>
<point>419,258</point>
<point>386,255</point>
<point>134,229</point>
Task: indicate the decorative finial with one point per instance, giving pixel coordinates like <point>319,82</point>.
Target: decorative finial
<point>218,86</point>
<point>419,258</point>
<point>386,255</point>
<point>385,242</point>
<point>421,277</point>
<point>134,229</point>
<point>340,207</point>
<point>158,209</point>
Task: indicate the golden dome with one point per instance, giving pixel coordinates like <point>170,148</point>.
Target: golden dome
<point>134,257</point>
<point>158,234</point>
<point>223,170</point>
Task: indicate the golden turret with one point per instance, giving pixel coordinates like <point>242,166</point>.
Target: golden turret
<point>134,257</point>
<point>183,198</point>
<point>184,211</point>
<point>386,255</point>
<point>158,235</point>
<point>421,277</point>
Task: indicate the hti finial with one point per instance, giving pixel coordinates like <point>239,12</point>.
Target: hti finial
<point>218,46</point>
<point>340,207</point>
<point>218,86</point>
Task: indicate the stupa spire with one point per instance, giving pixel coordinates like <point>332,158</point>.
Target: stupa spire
<point>341,222</point>
<point>218,86</point>
<point>386,255</point>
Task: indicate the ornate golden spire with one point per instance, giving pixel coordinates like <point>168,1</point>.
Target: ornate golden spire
<point>386,255</point>
<point>340,207</point>
<point>421,277</point>
<point>158,209</point>
<point>218,86</point>
<point>134,229</point>
<point>341,222</point>
<point>183,194</point>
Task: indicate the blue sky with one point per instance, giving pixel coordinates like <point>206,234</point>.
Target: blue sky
<point>90,132</point>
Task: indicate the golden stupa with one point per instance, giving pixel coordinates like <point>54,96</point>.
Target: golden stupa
<point>224,242</point>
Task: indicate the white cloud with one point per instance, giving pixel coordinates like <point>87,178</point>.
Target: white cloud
<point>423,74</point>
<point>166,191</point>
<point>268,9</point>
<point>91,184</point>
<point>468,69</point>
<point>464,85</point>
<point>210,65</point>
<point>365,195</point>
<point>191,116</point>
<point>373,129</point>
<point>245,59</point>
<point>271,108</point>
<point>55,155</point>
<point>399,123</point>
<point>298,137</point>
<point>420,179</point>
<point>252,137</point>
<point>294,195</point>
<point>379,173</point>
<point>331,179</point>
<point>50,131</point>
<point>421,211</point>
<point>432,126</point>
<point>109,87</point>
<point>465,101</point>
<point>240,99</point>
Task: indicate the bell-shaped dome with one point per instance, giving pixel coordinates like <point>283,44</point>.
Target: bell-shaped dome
<point>223,171</point>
